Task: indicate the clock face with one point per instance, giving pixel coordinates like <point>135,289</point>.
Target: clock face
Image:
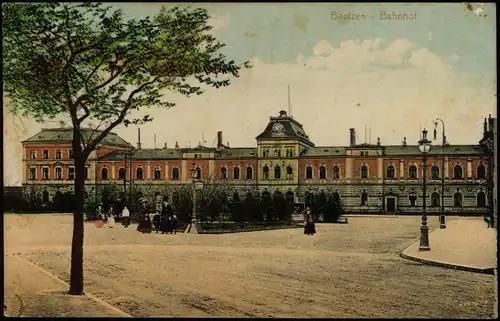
<point>278,127</point>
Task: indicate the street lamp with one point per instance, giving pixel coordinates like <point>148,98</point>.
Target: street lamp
<point>442,219</point>
<point>424,145</point>
<point>196,185</point>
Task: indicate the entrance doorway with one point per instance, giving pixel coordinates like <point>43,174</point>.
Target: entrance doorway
<point>391,204</point>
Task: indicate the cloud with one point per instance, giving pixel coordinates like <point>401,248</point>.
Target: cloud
<point>219,21</point>
<point>357,55</point>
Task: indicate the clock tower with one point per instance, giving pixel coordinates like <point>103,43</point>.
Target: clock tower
<point>279,148</point>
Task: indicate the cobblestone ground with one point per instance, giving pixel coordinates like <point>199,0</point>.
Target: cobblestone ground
<point>345,270</point>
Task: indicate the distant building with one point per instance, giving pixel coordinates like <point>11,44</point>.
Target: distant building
<point>368,177</point>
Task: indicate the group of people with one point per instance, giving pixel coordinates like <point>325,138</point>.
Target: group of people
<point>309,226</point>
<point>105,219</point>
<point>164,220</point>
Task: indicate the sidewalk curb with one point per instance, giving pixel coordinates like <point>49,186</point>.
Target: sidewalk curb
<point>87,294</point>
<point>490,271</point>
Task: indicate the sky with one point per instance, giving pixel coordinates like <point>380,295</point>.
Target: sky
<point>392,77</point>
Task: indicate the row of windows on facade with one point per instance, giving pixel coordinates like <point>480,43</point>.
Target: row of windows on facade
<point>45,154</point>
<point>277,153</point>
<point>58,173</point>
<point>435,199</point>
<point>412,172</point>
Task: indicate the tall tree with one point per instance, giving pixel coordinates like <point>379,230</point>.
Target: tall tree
<point>88,62</point>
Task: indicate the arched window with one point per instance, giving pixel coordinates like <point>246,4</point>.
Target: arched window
<point>198,173</point>
<point>412,172</point>
<point>289,172</point>
<point>457,172</point>
<point>322,172</point>
<point>121,173</point>
<point>236,173</point>
<point>434,172</point>
<point>265,171</point>
<point>104,173</point>
<point>336,172</point>
<point>223,173</point>
<point>391,172</point>
<point>457,200</point>
<point>277,172</point>
<point>413,199</point>
<point>139,174</point>
<point>481,199</point>
<point>364,198</point>
<point>309,172</point>
<point>175,173</point>
<point>481,172</point>
<point>364,171</point>
<point>435,199</point>
<point>249,173</point>
<point>157,173</point>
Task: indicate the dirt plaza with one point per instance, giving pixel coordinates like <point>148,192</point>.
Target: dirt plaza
<point>345,270</point>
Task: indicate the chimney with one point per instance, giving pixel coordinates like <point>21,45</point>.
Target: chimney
<point>378,141</point>
<point>353,137</point>
<point>176,145</point>
<point>490,123</point>
<point>165,146</point>
<point>138,138</point>
<point>485,127</point>
<point>219,140</point>
<point>404,142</point>
<point>62,124</point>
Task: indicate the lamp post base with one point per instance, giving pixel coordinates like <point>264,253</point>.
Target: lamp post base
<point>442,223</point>
<point>424,238</point>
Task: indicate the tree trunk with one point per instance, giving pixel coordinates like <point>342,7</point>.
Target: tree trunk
<point>76,278</point>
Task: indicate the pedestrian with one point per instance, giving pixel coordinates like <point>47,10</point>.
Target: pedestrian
<point>99,222</point>
<point>147,223</point>
<point>157,221</point>
<point>166,215</point>
<point>174,224</point>
<point>111,221</point>
<point>309,227</point>
<point>125,217</point>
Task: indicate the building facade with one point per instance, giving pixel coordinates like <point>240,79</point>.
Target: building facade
<point>369,178</point>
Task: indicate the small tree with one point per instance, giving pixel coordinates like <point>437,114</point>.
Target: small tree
<point>87,62</point>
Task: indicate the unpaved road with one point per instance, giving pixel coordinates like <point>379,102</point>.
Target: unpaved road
<point>346,270</point>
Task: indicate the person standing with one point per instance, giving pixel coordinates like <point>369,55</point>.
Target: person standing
<point>166,213</point>
<point>157,221</point>
<point>174,224</point>
<point>99,222</point>
<point>111,221</point>
<point>125,216</point>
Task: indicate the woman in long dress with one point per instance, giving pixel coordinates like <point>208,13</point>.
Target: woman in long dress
<point>309,227</point>
<point>111,221</point>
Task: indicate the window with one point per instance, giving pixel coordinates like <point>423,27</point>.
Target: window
<point>413,199</point>
<point>289,153</point>
<point>457,200</point>
<point>236,173</point>
<point>249,173</point>
<point>434,172</point>
<point>45,173</point>
<point>70,153</point>
<point>265,171</point>
<point>58,154</point>
<point>412,172</point>
<point>457,172</point>
<point>481,172</point>
<point>104,173</point>
<point>336,172</point>
<point>265,153</point>
<point>59,173</point>
<point>277,153</point>
<point>32,173</point>
<point>139,173</point>
<point>33,154</point>
<point>391,172</point>
<point>223,173</point>
<point>435,199</point>
<point>157,173</point>
<point>322,172</point>
<point>289,172</point>
<point>121,173</point>
<point>309,172</point>
<point>175,173</point>
<point>277,172</point>
<point>71,173</point>
<point>364,171</point>
<point>364,198</point>
<point>45,154</point>
<point>86,173</point>
<point>198,173</point>
<point>481,199</point>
